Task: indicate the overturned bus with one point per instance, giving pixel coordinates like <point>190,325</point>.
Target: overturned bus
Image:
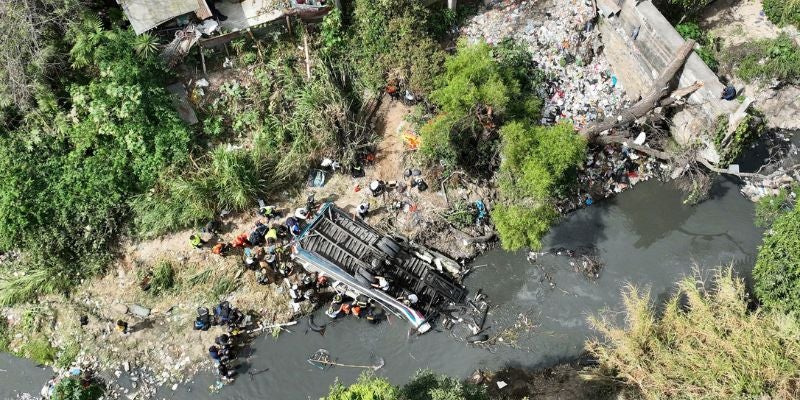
<point>352,253</point>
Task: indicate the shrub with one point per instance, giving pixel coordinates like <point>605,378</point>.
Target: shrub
<point>71,389</point>
<point>690,30</point>
<point>163,278</point>
<point>38,349</point>
<point>5,334</point>
<point>386,38</point>
<point>427,385</point>
<point>424,385</point>
<point>67,355</point>
<point>705,344</point>
<point>786,12</point>
<point>367,387</point>
<point>537,166</point>
<point>769,208</point>
<point>768,59</point>
<point>777,270</point>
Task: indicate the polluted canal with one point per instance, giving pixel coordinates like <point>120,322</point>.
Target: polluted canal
<point>644,236</point>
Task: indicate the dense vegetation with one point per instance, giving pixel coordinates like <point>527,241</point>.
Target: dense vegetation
<point>425,385</point>
<point>71,164</point>
<point>783,12</point>
<point>706,343</point>
<point>488,105</point>
<point>777,270</point>
<point>767,59</point>
<point>537,165</point>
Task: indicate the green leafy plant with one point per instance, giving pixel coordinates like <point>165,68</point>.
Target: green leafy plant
<point>768,59</point>
<point>145,45</point>
<point>691,30</point>
<point>777,270</point>
<point>781,13</point>
<point>163,279</point>
<point>71,388</point>
<point>769,208</point>
<point>38,349</point>
<point>67,355</point>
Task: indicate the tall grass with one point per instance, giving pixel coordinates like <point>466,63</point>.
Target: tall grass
<point>163,278</point>
<point>19,288</point>
<point>706,345</point>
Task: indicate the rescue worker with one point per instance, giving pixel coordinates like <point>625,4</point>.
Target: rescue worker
<point>363,209</point>
<point>293,225</point>
<point>272,234</point>
<point>122,327</point>
<point>213,352</point>
<point>377,187</point>
<point>240,240</point>
<point>196,241</point>
<point>221,249</point>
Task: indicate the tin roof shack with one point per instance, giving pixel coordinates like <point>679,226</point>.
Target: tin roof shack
<point>145,15</point>
<point>353,253</point>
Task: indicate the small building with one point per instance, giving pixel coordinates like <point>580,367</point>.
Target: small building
<point>353,254</point>
<point>145,15</point>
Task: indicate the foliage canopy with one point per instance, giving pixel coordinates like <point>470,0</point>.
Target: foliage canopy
<point>67,172</point>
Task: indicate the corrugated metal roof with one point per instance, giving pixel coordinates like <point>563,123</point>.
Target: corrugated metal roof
<point>148,14</point>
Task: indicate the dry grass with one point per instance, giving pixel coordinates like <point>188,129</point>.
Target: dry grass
<point>707,344</point>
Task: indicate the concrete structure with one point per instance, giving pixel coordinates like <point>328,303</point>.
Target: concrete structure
<point>638,61</point>
<point>148,14</point>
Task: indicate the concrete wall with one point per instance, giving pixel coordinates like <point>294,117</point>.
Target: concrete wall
<point>638,62</point>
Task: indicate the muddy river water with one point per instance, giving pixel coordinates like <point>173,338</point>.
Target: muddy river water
<point>645,236</point>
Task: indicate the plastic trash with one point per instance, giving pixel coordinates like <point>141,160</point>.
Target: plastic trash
<point>640,139</point>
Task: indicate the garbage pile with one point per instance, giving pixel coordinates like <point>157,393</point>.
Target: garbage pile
<point>565,44</point>
<point>609,170</point>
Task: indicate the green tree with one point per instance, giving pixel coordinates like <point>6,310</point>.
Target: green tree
<point>481,88</point>
<point>69,170</point>
<point>367,387</point>
<point>537,166</point>
<point>427,385</point>
<point>705,344</point>
<point>72,389</point>
<point>777,270</point>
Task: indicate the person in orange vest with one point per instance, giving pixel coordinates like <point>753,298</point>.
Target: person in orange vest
<point>240,241</point>
<point>220,249</point>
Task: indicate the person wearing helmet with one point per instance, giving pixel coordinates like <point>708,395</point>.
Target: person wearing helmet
<point>293,225</point>
<point>301,213</point>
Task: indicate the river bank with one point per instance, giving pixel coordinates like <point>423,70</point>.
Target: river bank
<point>644,236</point>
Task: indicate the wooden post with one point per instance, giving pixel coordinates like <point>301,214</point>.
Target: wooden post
<point>451,4</point>
<point>202,59</point>
<point>308,58</point>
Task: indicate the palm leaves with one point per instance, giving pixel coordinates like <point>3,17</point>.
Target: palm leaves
<point>145,45</point>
